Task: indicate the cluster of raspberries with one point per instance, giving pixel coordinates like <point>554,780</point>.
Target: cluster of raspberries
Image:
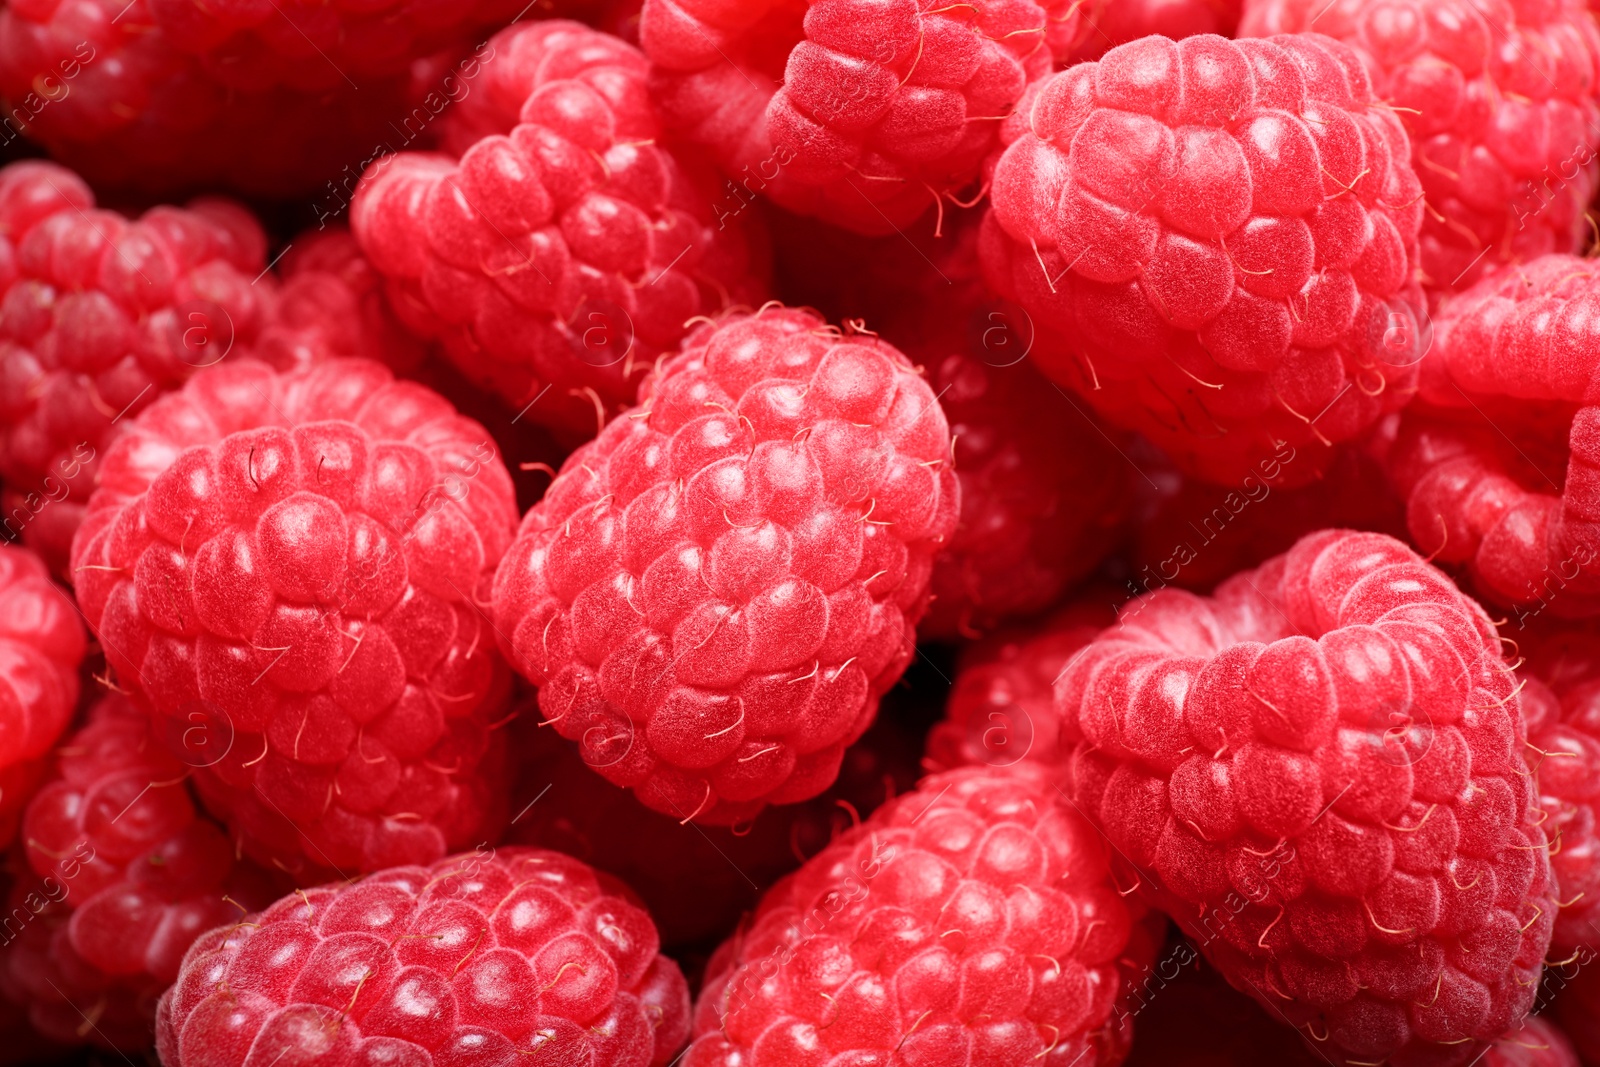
<point>800,533</point>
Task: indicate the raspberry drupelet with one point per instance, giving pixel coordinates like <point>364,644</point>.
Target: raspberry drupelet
<point>713,595</point>
<point>41,646</point>
<point>1538,1043</point>
<point>100,314</point>
<point>128,873</point>
<point>1318,774</point>
<point>492,957</point>
<point>1499,461</point>
<point>292,563</point>
<point>861,113</point>
<point>167,96</point>
<point>565,248</point>
<point>973,921</point>
<point>1224,235</point>
<point>1001,709</point>
<point>1499,97</point>
<point>1561,698</point>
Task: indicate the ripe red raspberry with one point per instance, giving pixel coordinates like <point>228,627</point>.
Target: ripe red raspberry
<point>271,99</point>
<point>125,874</point>
<point>99,315</point>
<point>331,304</point>
<point>1539,1043</point>
<point>1224,233</point>
<point>1499,97</point>
<point>1002,707</point>
<point>697,881</point>
<point>41,645</point>
<point>859,113</point>
<point>284,570</point>
<point>1561,700</point>
<point>480,958</point>
<point>566,248</point>
<point>971,921</point>
<point>1194,535</point>
<point>713,595</point>
<point>1108,23</point>
<point>1499,468</point>
<point>1318,774</point>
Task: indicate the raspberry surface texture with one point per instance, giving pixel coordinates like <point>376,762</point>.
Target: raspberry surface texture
<point>490,957</point>
<point>714,594</point>
<point>972,921</point>
<point>860,113</point>
<point>165,96</point>
<point>1561,696</point>
<point>1193,534</point>
<point>697,881</point>
<point>1001,708</point>
<point>1108,23</point>
<point>1539,1043</point>
<point>1224,234</point>
<point>1499,97</point>
<point>1318,774</point>
<point>560,248</point>
<point>41,645</point>
<point>284,570</point>
<point>128,874</point>
<point>100,315</point>
<point>1499,462</point>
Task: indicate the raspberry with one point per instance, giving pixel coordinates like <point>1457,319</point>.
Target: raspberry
<point>860,113</point>
<point>1318,774</point>
<point>972,921</point>
<point>41,645</point>
<point>129,874</point>
<point>566,247</point>
<point>1499,99</point>
<point>697,881</point>
<point>481,958</point>
<point>167,95</point>
<point>1481,465</point>
<point>1539,1043</point>
<point>1194,535</point>
<point>1224,233</point>
<point>284,570</point>
<point>1561,698</point>
<point>713,594</point>
<point>1108,23</point>
<point>100,314</point>
<point>1001,708</point>
<point>331,304</point>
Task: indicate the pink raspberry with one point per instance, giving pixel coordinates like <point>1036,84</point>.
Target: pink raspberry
<point>100,315</point>
<point>864,114</point>
<point>973,921</point>
<point>284,570</point>
<point>1002,707</point>
<point>41,646</point>
<point>566,247</point>
<point>271,99</point>
<point>1561,699</point>
<point>1108,23</point>
<point>1318,775</point>
<point>1499,97</point>
<point>1193,535</point>
<point>482,958</point>
<point>697,881</point>
<point>1224,234</point>
<point>330,304</point>
<point>713,594</point>
<point>1501,467</point>
<point>128,874</point>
